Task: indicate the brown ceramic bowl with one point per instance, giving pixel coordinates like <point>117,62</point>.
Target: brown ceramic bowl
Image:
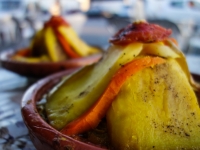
<point>42,134</point>
<point>43,69</point>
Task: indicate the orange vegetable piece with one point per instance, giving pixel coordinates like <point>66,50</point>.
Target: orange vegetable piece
<point>91,118</point>
<point>65,45</point>
<point>23,52</point>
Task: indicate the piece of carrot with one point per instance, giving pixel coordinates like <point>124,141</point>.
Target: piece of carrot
<point>91,118</point>
<point>65,45</point>
<point>23,52</point>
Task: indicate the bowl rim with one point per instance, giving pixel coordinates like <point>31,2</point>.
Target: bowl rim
<point>32,117</point>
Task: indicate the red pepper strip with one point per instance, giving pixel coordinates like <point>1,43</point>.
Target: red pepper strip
<point>91,118</point>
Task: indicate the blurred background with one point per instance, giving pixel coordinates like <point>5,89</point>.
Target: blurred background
<point>97,20</point>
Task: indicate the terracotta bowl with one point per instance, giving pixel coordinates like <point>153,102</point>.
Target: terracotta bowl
<point>43,69</point>
<point>42,134</point>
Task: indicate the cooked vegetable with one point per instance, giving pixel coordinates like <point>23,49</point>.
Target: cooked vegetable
<point>23,52</point>
<point>42,58</point>
<point>140,31</point>
<point>91,118</point>
<point>183,63</point>
<point>54,50</point>
<point>76,94</point>
<point>24,55</point>
<point>155,109</point>
<point>66,46</point>
<point>80,47</point>
<point>58,41</point>
<point>37,45</point>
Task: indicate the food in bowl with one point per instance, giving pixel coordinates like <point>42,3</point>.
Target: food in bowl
<point>139,96</point>
<point>56,41</point>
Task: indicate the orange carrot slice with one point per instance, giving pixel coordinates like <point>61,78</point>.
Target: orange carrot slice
<point>23,52</point>
<point>65,45</point>
<point>91,118</point>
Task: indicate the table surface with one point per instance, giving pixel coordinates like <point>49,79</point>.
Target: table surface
<point>13,132</point>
